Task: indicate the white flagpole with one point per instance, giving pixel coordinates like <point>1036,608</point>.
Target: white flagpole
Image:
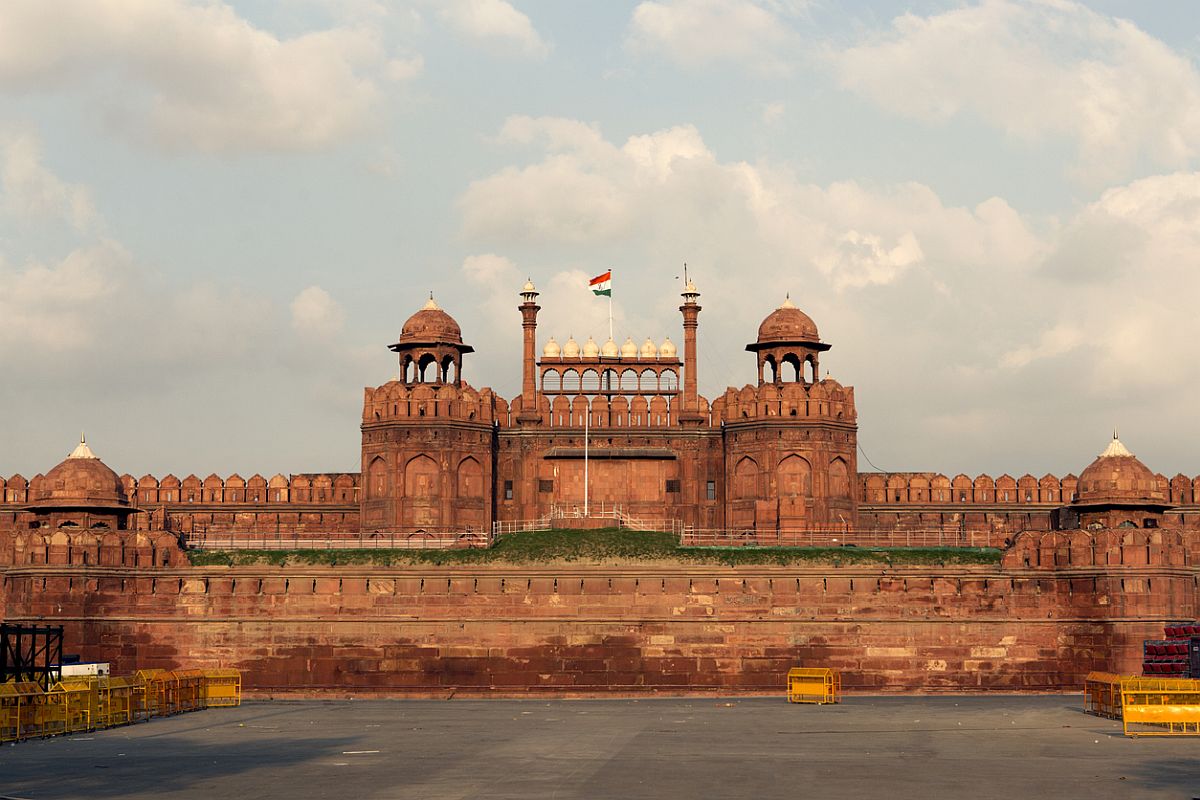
<point>586,424</point>
<point>610,327</point>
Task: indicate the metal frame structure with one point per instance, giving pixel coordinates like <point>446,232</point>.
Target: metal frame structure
<point>31,653</point>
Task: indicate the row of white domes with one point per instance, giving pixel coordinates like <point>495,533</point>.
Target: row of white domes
<point>590,349</point>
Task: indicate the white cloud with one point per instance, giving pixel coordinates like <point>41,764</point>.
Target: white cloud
<point>932,308</point>
<point>316,313</point>
<point>52,308</point>
<point>198,76</point>
<point>773,112</point>
<point>1038,69</point>
<point>857,259</point>
<point>489,270</point>
<point>495,22</point>
<point>404,69</point>
<point>31,192</point>
<point>1056,341</point>
<point>694,33</point>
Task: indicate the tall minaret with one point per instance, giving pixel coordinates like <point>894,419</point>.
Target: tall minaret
<point>691,315</point>
<point>529,402</point>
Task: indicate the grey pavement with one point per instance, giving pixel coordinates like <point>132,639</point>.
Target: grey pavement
<point>871,747</point>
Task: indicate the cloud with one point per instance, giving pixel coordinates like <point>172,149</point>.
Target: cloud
<point>1039,70</point>
<point>496,23</point>
<point>60,307</point>
<point>1056,341</point>
<point>315,313</point>
<point>30,192</point>
<point>932,308</point>
<point>198,76</point>
<point>696,33</point>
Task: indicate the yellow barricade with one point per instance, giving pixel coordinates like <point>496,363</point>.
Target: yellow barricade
<point>68,707</point>
<point>11,702</point>
<point>188,690</point>
<point>1102,694</point>
<point>1160,706</point>
<point>118,700</point>
<point>222,687</point>
<point>814,685</point>
<point>82,703</point>
<point>158,694</point>
<point>22,711</point>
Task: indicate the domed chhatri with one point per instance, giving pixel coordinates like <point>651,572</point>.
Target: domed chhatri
<point>629,349</point>
<point>788,346</point>
<point>431,325</point>
<point>610,349</point>
<point>667,349</point>
<point>81,481</point>
<point>431,347</point>
<point>649,349</point>
<point>571,348</point>
<point>788,325</point>
<point>590,348</point>
<point>551,350</point>
<point>1118,479</point>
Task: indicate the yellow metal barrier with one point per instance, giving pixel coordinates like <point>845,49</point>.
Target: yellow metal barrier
<point>222,687</point>
<point>814,685</point>
<point>1160,706</point>
<point>118,700</point>
<point>158,693</point>
<point>22,711</point>
<point>188,689</point>
<point>1102,694</point>
<point>68,708</point>
<point>88,702</point>
<point>14,702</point>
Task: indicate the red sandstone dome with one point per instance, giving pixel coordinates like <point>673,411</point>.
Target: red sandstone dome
<point>1116,479</point>
<point>81,481</point>
<point>788,324</point>
<point>431,325</point>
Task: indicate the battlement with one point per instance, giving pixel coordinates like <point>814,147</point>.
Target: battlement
<point>932,488</point>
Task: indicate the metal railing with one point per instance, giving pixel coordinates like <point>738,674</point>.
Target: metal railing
<point>389,540</point>
<point>842,537</point>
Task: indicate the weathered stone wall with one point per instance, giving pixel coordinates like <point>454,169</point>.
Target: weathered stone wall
<point>617,629</point>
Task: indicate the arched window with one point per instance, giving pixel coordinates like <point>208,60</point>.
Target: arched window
<point>745,479</point>
<point>795,477</point>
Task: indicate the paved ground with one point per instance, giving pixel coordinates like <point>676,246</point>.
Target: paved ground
<point>941,747</point>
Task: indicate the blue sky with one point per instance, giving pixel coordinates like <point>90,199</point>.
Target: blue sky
<point>215,216</point>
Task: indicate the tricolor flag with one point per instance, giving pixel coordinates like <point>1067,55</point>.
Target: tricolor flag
<point>602,284</point>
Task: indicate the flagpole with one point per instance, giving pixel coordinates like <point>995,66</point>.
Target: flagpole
<point>586,424</point>
<point>610,328</point>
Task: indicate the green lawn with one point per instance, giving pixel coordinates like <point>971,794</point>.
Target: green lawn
<point>608,545</point>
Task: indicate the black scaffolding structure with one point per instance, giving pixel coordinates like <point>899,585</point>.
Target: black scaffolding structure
<point>31,653</point>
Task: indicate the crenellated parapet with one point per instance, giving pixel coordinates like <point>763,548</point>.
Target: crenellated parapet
<point>932,488</point>
<point>424,402</point>
<point>825,399</point>
<point>1110,547</point>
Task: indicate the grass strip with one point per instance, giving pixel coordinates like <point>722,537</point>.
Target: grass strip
<point>606,545</point>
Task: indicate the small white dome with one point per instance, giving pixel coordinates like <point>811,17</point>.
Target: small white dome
<point>668,348</point>
<point>590,348</point>
<point>551,350</point>
<point>528,287</point>
<point>610,349</point>
<point>571,348</point>
<point>649,349</point>
<point>629,349</point>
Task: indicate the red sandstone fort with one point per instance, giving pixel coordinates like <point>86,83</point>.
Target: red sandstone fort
<point>1090,565</point>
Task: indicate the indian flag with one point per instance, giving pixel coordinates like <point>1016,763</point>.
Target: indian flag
<point>602,284</point>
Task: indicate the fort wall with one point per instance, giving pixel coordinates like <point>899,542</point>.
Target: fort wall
<point>1057,607</point>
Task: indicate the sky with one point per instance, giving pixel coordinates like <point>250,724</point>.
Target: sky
<point>214,217</point>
